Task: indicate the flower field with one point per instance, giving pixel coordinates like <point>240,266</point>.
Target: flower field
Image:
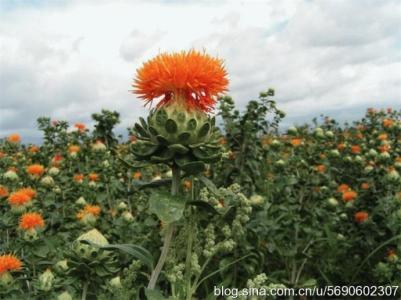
<point>188,203</point>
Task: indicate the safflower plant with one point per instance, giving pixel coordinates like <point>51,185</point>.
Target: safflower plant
<point>187,203</point>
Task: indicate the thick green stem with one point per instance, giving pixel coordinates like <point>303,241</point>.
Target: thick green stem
<point>189,250</point>
<point>84,290</point>
<point>175,185</point>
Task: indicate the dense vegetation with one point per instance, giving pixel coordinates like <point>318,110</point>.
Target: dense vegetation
<point>83,217</point>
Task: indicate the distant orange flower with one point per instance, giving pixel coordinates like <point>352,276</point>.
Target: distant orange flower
<point>359,135</point>
<point>73,149</point>
<point>78,177</point>
<point>296,142</point>
<point>92,209</point>
<point>93,177</point>
<point>19,198</point>
<point>382,137</point>
<point>341,147</point>
<point>388,123</point>
<point>80,126</point>
<point>133,139</point>
<point>31,221</point>
<point>9,262</point>
<point>29,191</point>
<point>343,188</point>
<point>14,138</point>
<point>389,110</point>
<point>33,149</point>
<point>349,196</point>
<point>196,79</point>
<point>187,184</point>
<point>56,160</point>
<point>365,186</point>
<point>222,141</point>
<point>36,169</point>
<point>137,175</point>
<point>355,149</point>
<point>320,168</point>
<point>384,148</point>
<point>361,216</point>
<point>3,191</point>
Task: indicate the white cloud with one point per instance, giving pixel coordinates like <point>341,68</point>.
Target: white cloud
<point>70,60</point>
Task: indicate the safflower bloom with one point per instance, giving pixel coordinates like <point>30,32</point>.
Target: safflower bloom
<point>195,79</point>
<point>9,262</point>
<point>320,168</point>
<point>80,126</point>
<point>14,138</point>
<point>361,216</point>
<point>73,149</point>
<point>89,209</point>
<point>78,177</point>
<point>29,191</point>
<point>35,170</point>
<point>296,142</point>
<point>31,221</point>
<point>93,177</point>
<point>365,186</point>
<point>33,149</point>
<point>356,149</point>
<point>341,147</point>
<point>18,198</point>
<point>3,191</point>
<point>388,123</point>
<point>349,196</point>
<point>137,175</point>
<point>343,188</point>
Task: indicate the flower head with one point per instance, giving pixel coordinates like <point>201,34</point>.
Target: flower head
<point>349,196</point>
<point>31,221</point>
<point>80,126</point>
<point>9,262</point>
<point>192,77</point>
<point>35,170</point>
<point>3,191</point>
<point>29,191</point>
<point>361,216</point>
<point>14,138</point>
<point>19,198</point>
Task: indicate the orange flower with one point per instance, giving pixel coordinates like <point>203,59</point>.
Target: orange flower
<point>14,138</point>
<point>384,148</point>
<point>320,168</point>
<point>388,123</point>
<point>92,209</point>
<point>365,186</point>
<point>359,136</point>
<point>296,142</point>
<point>341,147</point>
<point>133,139</point>
<point>35,170</point>
<point>80,126</point>
<point>382,137</point>
<point>192,77</point>
<point>73,149</point>
<point>29,191</point>
<point>9,262</point>
<point>137,175</point>
<point>343,188</point>
<point>187,184</point>
<point>356,149</point>
<point>349,196</point>
<point>93,177</point>
<point>78,177</point>
<point>3,191</point>
<point>33,149</point>
<point>56,160</point>
<point>31,221</point>
<point>361,216</point>
<point>19,198</point>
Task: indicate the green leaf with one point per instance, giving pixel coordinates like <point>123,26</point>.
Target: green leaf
<point>154,295</point>
<point>168,208</point>
<point>204,205</point>
<point>136,251</point>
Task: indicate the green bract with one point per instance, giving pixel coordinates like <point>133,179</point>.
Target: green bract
<point>172,134</point>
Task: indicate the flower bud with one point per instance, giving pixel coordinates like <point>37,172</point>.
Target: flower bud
<point>46,280</point>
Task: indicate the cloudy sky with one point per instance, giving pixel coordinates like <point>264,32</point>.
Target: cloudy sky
<point>68,58</point>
